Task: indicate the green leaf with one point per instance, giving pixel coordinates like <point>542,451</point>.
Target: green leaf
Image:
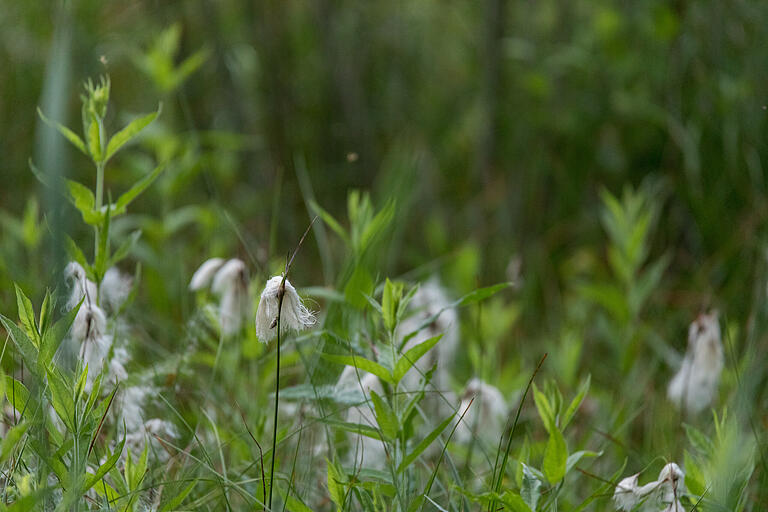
<point>18,396</point>
<point>27,315</point>
<point>124,200</point>
<point>66,132</point>
<point>24,345</point>
<point>125,248</point>
<point>385,416</point>
<point>514,502</point>
<point>336,485</point>
<point>695,480</point>
<point>93,136</point>
<point>377,226</point>
<point>179,498</point>
<point>82,198</point>
<point>53,337</point>
<point>555,457</point>
<point>330,221</point>
<point>481,294</point>
<point>62,399</point>
<point>390,301</point>
<point>424,444</point>
<point>546,412</point>
<point>46,312</point>
<point>531,488</point>
<point>358,287</point>
<point>75,253</point>
<point>103,469</point>
<point>11,440</point>
<point>362,364</point>
<point>576,402</point>
<point>133,128</point>
<point>354,428</point>
<point>575,457</point>
<point>412,355</point>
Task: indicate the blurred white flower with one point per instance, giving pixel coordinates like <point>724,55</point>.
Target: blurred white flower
<point>295,316</point>
<point>662,492</point>
<point>695,384</point>
<point>115,288</point>
<point>230,283</point>
<point>229,280</point>
<point>431,315</point>
<point>89,330</point>
<point>204,275</point>
<point>79,284</point>
<point>486,417</point>
<point>364,451</point>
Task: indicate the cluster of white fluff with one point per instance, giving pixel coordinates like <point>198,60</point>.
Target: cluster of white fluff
<point>431,314</point>
<point>694,386</point>
<point>662,494</point>
<point>486,413</point>
<point>364,451</point>
<point>228,279</point>
<point>294,315</point>
<point>96,349</point>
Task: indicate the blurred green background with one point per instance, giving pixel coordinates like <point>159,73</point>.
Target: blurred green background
<point>496,124</point>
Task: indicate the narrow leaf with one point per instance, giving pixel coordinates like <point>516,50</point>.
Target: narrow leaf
<point>124,200</point>
<point>385,416</point>
<point>412,355</point>
<point>66,132</point>
<point>133,128</point>
<point>362,364</point>
<point>424,444</point>
<point>555,457</point>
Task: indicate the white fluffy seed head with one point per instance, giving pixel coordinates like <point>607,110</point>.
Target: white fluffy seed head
<point>79,284</point>
<point>232,274</point>
<point>485,417</point>
<point>204,275</point>
<point>295,316</point>
<point>694,386</point>
<point>115,288</point>
<point>625,495</point>
<point>430,306</point>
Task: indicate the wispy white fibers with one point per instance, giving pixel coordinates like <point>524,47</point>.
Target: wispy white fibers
<point>364,451</point>
<point>695,385</point>
<point>431,315</point>
<point>115,288</point>
<point>295,316</point>
<point>81,286</point>
<point>204,275</point>
<point>487,415</point>
<point>230,283</point>
<point>89,330</point>
<point>662,494</point>
<point>229,280</point>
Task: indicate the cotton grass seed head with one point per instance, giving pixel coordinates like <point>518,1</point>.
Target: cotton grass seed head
<point>694,386</point>
<point>80,286</point>
<point>295,316</point>
<point>486,415</point>
<point>625,495</point>
<point>204,275</point>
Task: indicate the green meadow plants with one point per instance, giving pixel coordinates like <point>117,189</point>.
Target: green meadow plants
<point>176,357</point>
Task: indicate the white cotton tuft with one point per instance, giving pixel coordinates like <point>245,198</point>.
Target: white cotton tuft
<point>625,494</point>
<point>364,451</point>
<point>80,285</point>
<point>664,491</point>
<point>204,275</point>
<point>486,415</point>
<point>89,330</point>
<point>131,410</point>
<point>295,316</point>
<point>431,315</point>
<point>695,385</point>
<point>117,371</point>
<point>671,483</point>
<point>231,284</point>
<point>115,289</point>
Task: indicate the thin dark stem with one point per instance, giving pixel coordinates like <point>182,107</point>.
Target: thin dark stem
<point>277,394</point>
<point>497,483</point>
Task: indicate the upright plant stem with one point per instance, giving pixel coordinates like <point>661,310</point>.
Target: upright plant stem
<point>280,295</point>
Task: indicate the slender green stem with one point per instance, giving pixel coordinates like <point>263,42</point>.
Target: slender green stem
<point>99,185</point>
<point>280,294</point>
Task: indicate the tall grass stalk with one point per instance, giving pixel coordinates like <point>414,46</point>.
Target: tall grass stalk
<point>498,477</point>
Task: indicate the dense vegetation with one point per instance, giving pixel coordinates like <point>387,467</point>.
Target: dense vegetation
<point>517,232</point>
